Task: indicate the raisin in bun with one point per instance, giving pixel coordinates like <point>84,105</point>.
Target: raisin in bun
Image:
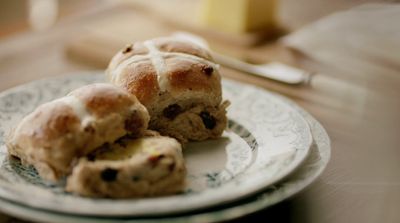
<point>179,84</point>
<point>53,136</point>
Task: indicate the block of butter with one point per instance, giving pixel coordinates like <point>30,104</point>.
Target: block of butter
<point>239,16</point>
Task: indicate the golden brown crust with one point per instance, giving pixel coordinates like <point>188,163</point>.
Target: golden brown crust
<point>128,51</point>
<point>173,72</point>
<point>184,75</point>
<point>191,72</point>
<point>144,84</point>
<point>51,122</point>
<point>58,132</point>
<point>103,99</point>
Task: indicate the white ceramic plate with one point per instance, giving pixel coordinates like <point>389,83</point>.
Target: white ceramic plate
<point>302,177</point>
<point>267,139</point>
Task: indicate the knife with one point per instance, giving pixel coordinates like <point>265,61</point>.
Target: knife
<point>274,70</point>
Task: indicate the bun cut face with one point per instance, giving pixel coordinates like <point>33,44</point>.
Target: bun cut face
<point>179,84</point>
<point>141,167</point>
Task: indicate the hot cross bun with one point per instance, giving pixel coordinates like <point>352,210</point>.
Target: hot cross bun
<point>179,84</point>
<point>57,133</point>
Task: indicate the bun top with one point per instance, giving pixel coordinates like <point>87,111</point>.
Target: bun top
<point>101,99</point>
<point>165,71</point>
<point>76,112</point>
<point>58,132</point>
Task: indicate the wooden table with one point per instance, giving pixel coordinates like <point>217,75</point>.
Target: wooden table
<point>362,180</point>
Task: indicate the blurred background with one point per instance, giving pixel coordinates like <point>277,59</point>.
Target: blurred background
<point>232,27</point>
<point>350,46</point>
<point>22,15</point>
<point>238,23</point>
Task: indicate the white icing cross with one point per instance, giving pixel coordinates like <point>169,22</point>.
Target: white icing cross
<point>157,58</point>
<point>158,62</point>
<point>79,109</point>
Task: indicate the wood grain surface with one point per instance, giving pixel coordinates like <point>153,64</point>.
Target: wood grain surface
<point>359,111</point>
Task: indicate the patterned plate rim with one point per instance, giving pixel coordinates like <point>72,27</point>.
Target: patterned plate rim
<point>125,207</point>
<point>282,191</point>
